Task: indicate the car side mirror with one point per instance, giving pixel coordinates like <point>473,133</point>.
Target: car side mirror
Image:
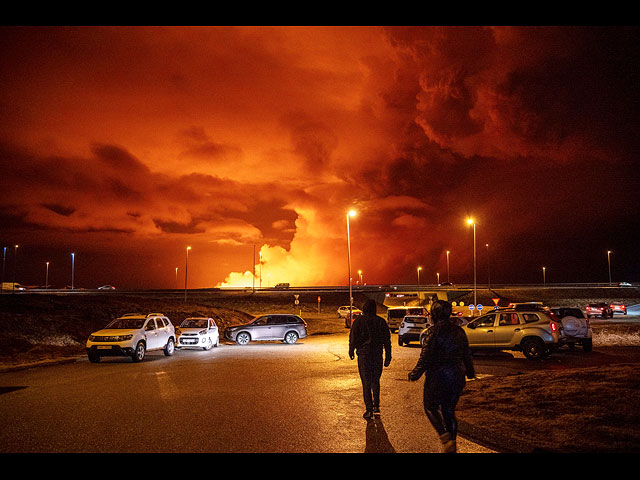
<point>471,325</point>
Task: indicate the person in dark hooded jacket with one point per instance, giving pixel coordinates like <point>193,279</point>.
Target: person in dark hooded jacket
<point>445,360</point>
<point>369,337</point>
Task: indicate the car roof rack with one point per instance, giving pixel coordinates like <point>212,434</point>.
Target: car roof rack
<point>131,315</point>
<point>155,314</point>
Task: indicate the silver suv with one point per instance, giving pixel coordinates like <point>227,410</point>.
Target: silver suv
<point>533,331</point>
<point>132,335</point>
<point>278,326</point>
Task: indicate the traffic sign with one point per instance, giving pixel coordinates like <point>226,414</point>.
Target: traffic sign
<point>471,306</point>
<point>496,300</point>
<point>479,307</point>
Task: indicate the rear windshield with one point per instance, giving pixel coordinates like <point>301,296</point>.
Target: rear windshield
<point>568,312</point>
<point>397,313</point>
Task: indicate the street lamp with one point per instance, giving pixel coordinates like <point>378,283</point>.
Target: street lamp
<point>46,278</point>
<point>609,262</point>
<point>360,275</point>
<point>15,257</point>
<point>351,213</point>
<point>488,268</point>
<point>73,270</point>
<point>544,276</point>
<point>419,268</point>
<point>186,267</point>
<point>438,276</point>
<point>448,252</point>
<point>470,221</point>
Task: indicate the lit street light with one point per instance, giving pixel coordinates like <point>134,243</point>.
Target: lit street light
<point>351,213</point>
<point>609,262</point>
<point>46,278</point>
<point>475,299</point>
<point>360,275</point>
<point>419,268</point>
<point>488,268</point>
<point>73,270</point>
<point>186,268</point>
<point>544,276</point>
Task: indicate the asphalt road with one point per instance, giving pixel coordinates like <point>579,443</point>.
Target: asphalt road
<point>265,397</point>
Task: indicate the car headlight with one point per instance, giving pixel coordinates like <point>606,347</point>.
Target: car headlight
<point>202,332</point>
<point>91,338</point>
<point>124,338</point>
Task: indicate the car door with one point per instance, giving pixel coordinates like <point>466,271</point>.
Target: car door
<point>162,327</point>
<point>481,331</point>
<point>279,324</point>
<point>508,330</point>
<point>259,328</point>
<point>152,334</point>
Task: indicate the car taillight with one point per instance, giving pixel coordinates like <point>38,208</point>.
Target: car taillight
<point>554,326</point>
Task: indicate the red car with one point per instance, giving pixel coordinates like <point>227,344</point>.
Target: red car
<point>618,307</point>
<point>599,310</point>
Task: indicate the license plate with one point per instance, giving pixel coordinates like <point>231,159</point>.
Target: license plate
<point>104,347</point>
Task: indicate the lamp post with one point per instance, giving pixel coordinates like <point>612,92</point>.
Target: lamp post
<point>488,268</point>
<point>360,275</point>
<point>73,270</point>
<point>470,221</point>
<point>46,278</point>
<point>544,276</point>
<point>438,277</point>
<point>609,262</point>
<point>186,268</point>
<point>418,270</point>
<point>15,258</point>
<point>448,280</point>
<point>351,213</point>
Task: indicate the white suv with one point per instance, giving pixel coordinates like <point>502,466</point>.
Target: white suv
<point>411,327</point>
<point>132,335</point>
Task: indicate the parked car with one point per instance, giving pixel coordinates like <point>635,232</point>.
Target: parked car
<point>107,287</point>
<point>575,327</point>
<point>618,307</point>
<point>460,320</point>
<point>348,320</point>
<point>281,286</point>
<point>411,327</point>
<point>533,332</point>
<point>284,327</point>
<point>132,335</point>
<point>601,309</point>
<point>344,311</point>
<point>198,332</point>
<point>624,284</point>
<point>396,314</point>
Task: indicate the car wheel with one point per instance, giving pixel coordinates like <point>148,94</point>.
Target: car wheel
<point>399,340</point>
<point>243,338</point>
<point>93,357</point>
<point>209,345</point>
<point>533,348</point>
<point>587,345</point>
<point>170,347</point>
<point>139,352</point>
<point>291,338</point>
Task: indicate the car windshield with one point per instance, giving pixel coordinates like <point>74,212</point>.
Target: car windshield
<point>194,323</point>
<point>127,323</point>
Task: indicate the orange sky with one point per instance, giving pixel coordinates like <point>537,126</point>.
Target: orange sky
<point>126,144</point>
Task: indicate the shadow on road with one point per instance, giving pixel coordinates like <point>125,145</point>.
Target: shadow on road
<point>377,440</point>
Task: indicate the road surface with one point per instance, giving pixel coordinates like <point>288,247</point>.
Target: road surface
<point>264,397</point>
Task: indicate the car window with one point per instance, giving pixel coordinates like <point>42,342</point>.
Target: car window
<point>161,323</point>
<point>485,321</point>
<point>150,325</point>
<point>530,317</point>
<point>509,319</point>
<point>261,321</point>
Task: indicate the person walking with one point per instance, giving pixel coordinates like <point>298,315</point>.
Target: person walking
<point>369,338</point>
<point>445,360</point>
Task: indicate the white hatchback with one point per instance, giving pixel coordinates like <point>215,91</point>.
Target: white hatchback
<point>198,332</point>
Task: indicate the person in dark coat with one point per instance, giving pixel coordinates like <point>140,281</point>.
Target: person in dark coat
<point>445,360</point>
<point>369,338</point>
